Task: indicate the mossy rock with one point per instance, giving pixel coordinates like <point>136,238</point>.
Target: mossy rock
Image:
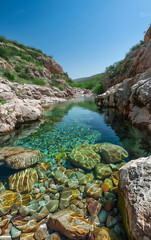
<point>83,156</point>
<point>113,153</point>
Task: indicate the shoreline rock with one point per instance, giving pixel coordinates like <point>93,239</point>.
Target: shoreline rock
<point>132,97</point>
<point>135,187</point>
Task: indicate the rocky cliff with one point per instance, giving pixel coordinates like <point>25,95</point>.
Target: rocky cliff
<point>131,93</point>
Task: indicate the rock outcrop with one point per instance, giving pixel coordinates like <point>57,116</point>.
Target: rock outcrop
<point>132,97</point>
<point>52,65</point>
<point>147,36</point>
<point>135,187</point>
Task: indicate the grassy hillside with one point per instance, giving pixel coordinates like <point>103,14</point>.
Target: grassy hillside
<point>20,63</point>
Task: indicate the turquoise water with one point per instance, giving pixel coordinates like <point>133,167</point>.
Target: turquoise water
<point>67,125</point>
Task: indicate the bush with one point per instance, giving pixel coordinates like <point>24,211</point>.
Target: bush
<point>38,81</point>
<point>18,68</point>
<point>4,53</point>
<point>10,76</point>
<point>98,89</point>
<point>2,101</point>
<point>24,75</point>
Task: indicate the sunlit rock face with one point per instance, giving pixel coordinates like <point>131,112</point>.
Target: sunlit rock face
<point>23,181</point>
<point>19,157</point>
<point>132,97</point>
<point>135,186</point>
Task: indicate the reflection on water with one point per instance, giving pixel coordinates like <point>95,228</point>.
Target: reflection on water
<point>69,124</point>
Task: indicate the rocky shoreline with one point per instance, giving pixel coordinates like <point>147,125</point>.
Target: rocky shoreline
<point>132,97</point>
<point>26,102</point>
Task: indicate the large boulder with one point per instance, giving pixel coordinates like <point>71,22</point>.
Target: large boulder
<point>83,156</point>
<point>19,157</point>
<point>7,199</point>
<point>135,188</point>
<point>68,223</point>
<point>23,181</point>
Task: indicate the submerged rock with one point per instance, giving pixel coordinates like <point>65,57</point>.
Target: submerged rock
<point>7,199</point>
<point>113,153</point>
<point>25,225</point>
<point>93,190</point>
<point>23,181</point>
<point>83,156</point>
<point>102,171</point>
<point>69,223</point>
<point>19,157</point>
<point>66,196</point>
<point>135,187</point>
<point>104,234</point>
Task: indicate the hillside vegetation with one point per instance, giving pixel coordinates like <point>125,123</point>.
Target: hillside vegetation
<point>23,64</point>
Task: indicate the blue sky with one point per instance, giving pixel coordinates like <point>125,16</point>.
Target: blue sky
<point>84,36</point>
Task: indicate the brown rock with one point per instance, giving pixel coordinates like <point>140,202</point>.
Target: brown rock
<point>52,65</point>
<point>147,36</point>
<point>109,205</point>
<point>24,225</point>
<point>68,223</point>
<point>104,187</point>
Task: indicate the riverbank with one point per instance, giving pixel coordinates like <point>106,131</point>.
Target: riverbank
<point>25,102</point>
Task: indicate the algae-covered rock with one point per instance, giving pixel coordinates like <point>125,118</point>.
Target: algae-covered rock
<point>102,171</point>
<point>113,153</point>
<point>19,157</point>
<point>7,199</point>
<point>83,156</point>
<point>23,181</point>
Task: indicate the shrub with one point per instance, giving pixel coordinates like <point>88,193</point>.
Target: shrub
<point>18,68</point>
<point>10,76</point>
<point>4,53</point>
<point>98,89</point>
<point>24,75</point>
<point>38,81</point>
<point>3,39</point>
<point>2,101</point>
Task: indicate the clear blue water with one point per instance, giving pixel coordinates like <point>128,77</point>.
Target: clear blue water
<point>67,125</point>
